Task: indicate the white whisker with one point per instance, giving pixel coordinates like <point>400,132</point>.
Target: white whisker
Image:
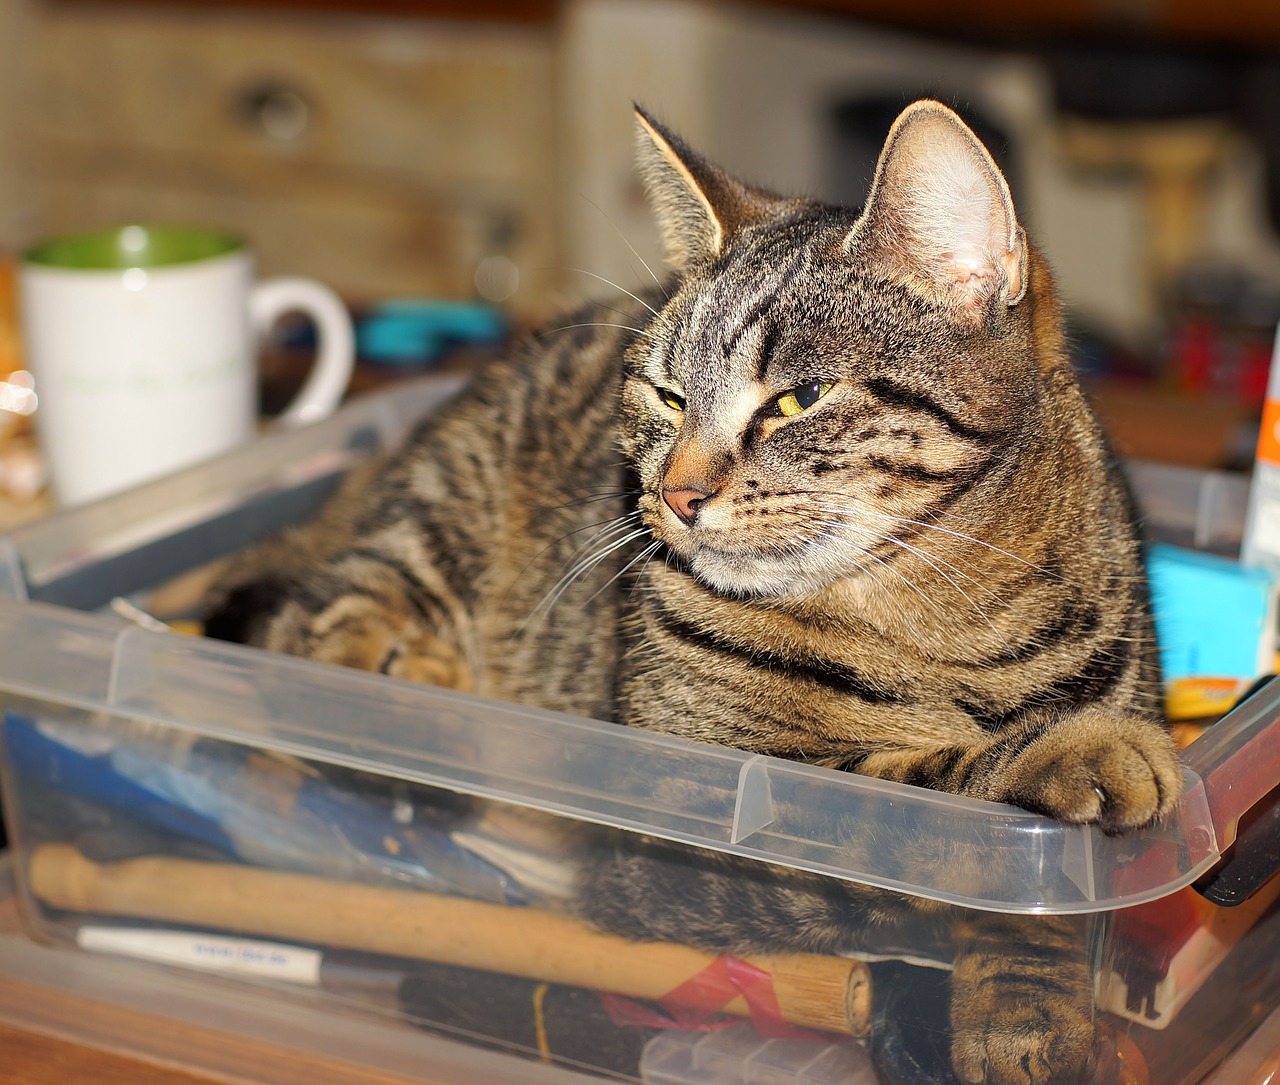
<point>957,534</point>
<point>579,569</point>
<point>644,555</point>
<point>860,509</point>
<point>625,241</point>
<point>602,324</point>
<point>607,528</point>
<point>886,565</point>
<point>851,512</point>
<point>611,526</point>
<point>610,282</point>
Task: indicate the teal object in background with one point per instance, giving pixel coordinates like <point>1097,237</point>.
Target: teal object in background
<point>419,331</point>
<point>1214,617</point>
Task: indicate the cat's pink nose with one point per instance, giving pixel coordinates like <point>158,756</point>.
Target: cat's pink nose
<point>686,503</point>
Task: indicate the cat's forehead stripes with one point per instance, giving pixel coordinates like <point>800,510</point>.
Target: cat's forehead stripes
<point>757,316</point>
<point>731,329</point>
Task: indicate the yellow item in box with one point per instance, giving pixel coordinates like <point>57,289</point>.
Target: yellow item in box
<point>1194,698</point>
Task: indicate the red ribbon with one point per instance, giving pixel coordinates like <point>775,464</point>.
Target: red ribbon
<point>695,1005</point>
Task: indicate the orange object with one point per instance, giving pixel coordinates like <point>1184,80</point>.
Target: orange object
<point>10,354</point>
<point>1269,434</point>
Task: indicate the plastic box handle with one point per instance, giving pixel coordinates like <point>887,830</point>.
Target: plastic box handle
<point>1239,761</point>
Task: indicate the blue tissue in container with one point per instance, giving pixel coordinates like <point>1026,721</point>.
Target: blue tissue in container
<point>1214,616</point>
<point>273,813</point>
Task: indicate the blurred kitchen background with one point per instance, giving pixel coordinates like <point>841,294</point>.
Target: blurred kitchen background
<point>482,151</point>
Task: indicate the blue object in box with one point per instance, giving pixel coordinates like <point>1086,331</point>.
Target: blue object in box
<point>224,796</point>
<point>1214,617</point>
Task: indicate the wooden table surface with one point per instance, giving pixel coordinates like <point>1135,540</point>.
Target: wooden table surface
<point>32,1059</point>
<point>53,1037</point>
<point>177,1054</point>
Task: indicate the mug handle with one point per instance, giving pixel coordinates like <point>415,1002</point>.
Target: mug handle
<point>335,342</point>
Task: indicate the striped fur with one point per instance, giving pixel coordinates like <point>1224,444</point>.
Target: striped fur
<point>921,566</point>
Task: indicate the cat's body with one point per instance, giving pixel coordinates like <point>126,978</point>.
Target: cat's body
<point>861,516</point>
<point>439,566</point>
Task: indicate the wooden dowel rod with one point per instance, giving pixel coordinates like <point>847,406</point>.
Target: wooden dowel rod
<point>813,991</point>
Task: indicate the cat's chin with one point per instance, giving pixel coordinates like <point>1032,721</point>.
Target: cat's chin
<point>745,575</point>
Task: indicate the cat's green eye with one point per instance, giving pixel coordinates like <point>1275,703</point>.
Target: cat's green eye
<point>801,399</point>
<point>675,402</point>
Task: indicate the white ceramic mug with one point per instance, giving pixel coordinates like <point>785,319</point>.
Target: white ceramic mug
<point>143,343</point>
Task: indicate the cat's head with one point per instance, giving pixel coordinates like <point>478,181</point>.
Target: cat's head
<point>822,382</point>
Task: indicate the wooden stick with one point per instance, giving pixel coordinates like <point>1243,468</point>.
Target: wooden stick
<point>828,993</point>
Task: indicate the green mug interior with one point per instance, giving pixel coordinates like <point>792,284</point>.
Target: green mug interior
<point>134,246</point>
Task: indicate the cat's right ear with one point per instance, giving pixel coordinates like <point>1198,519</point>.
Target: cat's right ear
<point>698,206</point>
<point>940,219</point>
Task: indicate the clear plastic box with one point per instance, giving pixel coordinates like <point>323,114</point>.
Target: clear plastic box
<point>412,840</point>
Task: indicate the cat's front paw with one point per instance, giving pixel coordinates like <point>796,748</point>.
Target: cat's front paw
<point>371,635</point>
<point>1022,1007</point>
<point>1043,1039</point>
<point>1095,768</point>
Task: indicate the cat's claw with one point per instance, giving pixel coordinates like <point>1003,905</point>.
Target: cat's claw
<point>1089,770</point>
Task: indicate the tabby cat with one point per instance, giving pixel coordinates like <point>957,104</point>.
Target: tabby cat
<point>829,493</point>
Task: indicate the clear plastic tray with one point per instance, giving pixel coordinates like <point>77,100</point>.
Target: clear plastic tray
<point>58,649</point>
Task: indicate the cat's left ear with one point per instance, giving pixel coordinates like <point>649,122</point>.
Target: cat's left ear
<point>940,219</point>
<point>698,206</point>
